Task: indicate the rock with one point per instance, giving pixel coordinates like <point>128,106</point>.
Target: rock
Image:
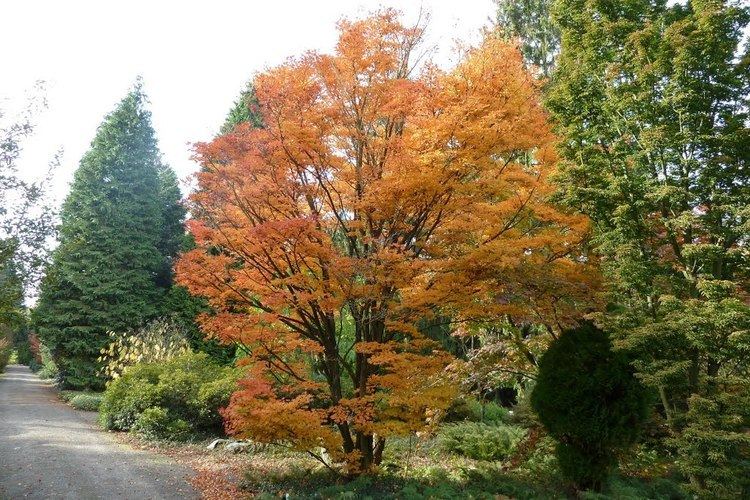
<point>239,446</point>
<point>216,442</point>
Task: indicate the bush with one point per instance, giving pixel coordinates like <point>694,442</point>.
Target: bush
<point>5,352</point>
<point>480,441</point>
<point>588,399</point>
<point>471,409</point>
<point>169,400</point>
<point>157,423</point>
<point>86,402</point>
<point>48,369</point>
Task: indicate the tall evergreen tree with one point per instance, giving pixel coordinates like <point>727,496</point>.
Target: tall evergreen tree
<point>119,231</point>
<point>244,110</point>
<point>172,234</point>
<point>651,101</point>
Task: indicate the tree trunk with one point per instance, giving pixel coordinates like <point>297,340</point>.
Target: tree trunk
<point>668,413</point>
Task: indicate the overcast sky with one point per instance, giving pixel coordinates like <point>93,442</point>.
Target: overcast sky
<point>194,57</point>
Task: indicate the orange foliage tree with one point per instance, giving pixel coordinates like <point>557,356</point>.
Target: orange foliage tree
<point>376,195</point>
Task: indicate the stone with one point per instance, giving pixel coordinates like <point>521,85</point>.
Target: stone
<point>239,446</point>
<point>216,442</point>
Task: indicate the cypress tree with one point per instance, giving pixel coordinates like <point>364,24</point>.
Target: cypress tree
<point>588,399</point>
<point>244,110</point>
<point>120,228</point>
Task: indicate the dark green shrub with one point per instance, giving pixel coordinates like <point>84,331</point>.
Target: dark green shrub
<point>86,402</point>
<point>588,399</point>
<point>157,423</point>
<point>470,409</point>
<point>189,390</point>
<point>480,441</point>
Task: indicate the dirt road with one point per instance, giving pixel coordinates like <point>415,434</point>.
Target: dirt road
<point>49,450</point>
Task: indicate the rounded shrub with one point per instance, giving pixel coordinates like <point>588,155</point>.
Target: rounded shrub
<point>161,400</point>
<point>471,409</point>
<point>129,396</point>
<point>588,399</point>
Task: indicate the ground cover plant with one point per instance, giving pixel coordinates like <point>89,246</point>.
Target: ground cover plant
<point>84,401</point>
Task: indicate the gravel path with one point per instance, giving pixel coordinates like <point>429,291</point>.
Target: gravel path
<point>49,450</point>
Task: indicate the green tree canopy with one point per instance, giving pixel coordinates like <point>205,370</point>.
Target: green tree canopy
<point>651,102</point>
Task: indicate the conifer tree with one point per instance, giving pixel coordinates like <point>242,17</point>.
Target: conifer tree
<point>172,231</point>
<point>244,110</point>
<point>588,399</point>
<point>120,228</point>
<point>530,22</point>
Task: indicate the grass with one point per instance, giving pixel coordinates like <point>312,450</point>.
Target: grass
<point>82,400</point>
<point>421,469</point>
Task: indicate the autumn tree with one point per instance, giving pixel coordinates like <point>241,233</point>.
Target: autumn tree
<point>377,195</point>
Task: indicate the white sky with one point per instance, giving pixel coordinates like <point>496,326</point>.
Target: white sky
<point>194,57</point>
